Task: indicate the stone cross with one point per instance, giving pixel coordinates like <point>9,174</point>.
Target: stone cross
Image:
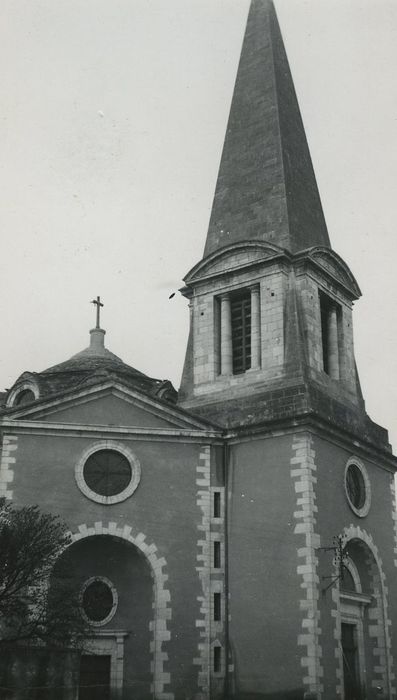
<point>98,305</point>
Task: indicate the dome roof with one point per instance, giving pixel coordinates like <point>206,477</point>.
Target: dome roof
<point>92,365</point>
<point>94,357</point>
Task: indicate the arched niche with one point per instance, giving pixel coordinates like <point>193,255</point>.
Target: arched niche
<point>362,626</point>
<point>136,633</point>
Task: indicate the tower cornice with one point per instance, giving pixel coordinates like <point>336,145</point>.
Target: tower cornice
<point>330,265</point>
<point>241,257</point>
<point>234,257</point>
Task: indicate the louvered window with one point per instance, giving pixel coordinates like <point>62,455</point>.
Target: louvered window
<point>241,331</point>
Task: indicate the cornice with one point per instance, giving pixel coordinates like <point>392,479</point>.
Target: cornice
<point>313,423</point>
<point>76,397</point>
<point>242,256</point>
<point>214,265</point>
<point>25,427</point>
<point>331,266</point>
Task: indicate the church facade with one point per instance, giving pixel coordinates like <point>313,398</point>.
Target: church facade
<point>241,534</point>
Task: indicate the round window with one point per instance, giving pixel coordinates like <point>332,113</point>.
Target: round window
<point>99,600</point>
<point>107,472</point>
<point>357,487</point>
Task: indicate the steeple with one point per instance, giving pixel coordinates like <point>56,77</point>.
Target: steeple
<point>266,188</point>
<point>271,324</point>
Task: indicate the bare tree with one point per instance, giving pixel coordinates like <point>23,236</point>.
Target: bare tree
<point>39,601</point>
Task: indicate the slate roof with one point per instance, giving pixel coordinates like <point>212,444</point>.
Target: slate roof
<point>90,366</point>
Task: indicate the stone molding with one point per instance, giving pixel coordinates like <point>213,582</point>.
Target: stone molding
<point>352,569</point>
<point>336,267</point>
<point>234,257</point>
<point>117,447</point>
<point>27,385</point>
<point>111,643</point>
<point>379,622</point>
<point>112,587</point>
<point>303,470</point>
<point>364,510</point>
<point>114,386</point>
<point>162,599</point>
<point>10,444</point>
<point>138,433</point>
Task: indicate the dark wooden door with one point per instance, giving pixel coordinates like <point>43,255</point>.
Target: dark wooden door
<point>94,681</point>
<point>350,663</point>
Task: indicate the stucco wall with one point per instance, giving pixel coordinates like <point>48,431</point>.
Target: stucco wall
<point>164,510</point>
<point>264,585</point>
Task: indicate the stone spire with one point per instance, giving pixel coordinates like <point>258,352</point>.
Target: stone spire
<point>271,325</point>
<point>266,188</point>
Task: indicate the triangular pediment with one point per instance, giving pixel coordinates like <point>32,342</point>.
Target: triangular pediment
<point>233,257</point>
<point>335,267</point>
<point>108,404</point>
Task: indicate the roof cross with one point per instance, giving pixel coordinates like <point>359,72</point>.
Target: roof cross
<point>98,305</point>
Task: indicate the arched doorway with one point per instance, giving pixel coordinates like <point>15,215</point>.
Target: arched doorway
<point>362,631</point>
<point>353,606</point>
<point>115,585</point>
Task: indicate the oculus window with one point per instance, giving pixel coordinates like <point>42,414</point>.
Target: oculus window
<point>357,487</point>
<point>98,600</point>
<point>107,472</point>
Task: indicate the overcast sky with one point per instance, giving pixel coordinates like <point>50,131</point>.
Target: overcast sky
<point>113,115</point>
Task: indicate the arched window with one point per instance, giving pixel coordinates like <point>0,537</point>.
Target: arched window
<point>24,396</point>
<point>347,581</point>
<point>24,392</point>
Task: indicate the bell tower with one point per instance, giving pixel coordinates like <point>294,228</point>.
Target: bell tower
<point>271,302</point>
<point>270,359</point>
